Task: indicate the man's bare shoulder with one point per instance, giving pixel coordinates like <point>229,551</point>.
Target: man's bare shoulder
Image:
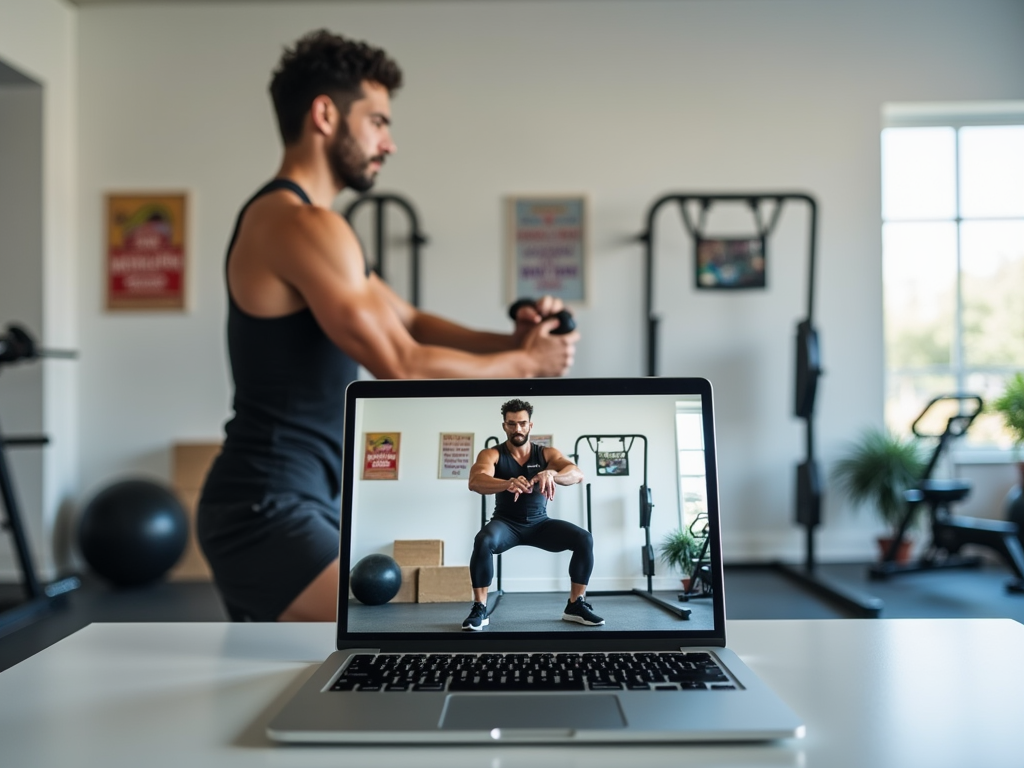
<point>487,456</point>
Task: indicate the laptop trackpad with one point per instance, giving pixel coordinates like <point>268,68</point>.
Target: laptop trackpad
<point>555,711</point>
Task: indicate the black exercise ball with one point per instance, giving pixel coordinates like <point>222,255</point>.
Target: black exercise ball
<point>133,532</point>
<point>375,579</point>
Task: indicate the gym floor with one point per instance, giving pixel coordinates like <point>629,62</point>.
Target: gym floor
<point>751,593</point>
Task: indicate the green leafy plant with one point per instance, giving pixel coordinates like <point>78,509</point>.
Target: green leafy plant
<point>879,468</point>
<point>679,550</point>
<point>1010,405</point>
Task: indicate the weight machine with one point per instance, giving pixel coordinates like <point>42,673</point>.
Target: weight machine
<point>647,557</point>
<point>808,365</point>
<point>16,345</point>
<point>380,203</point>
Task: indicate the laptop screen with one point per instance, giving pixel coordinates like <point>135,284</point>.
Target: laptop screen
<point>417,536</point>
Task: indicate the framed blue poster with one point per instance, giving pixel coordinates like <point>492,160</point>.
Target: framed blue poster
<point>547,247</point>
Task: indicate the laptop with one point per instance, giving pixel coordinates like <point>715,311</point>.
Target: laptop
<point>657,670</point>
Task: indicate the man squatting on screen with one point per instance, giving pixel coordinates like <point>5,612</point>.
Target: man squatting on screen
<point>523,477</point>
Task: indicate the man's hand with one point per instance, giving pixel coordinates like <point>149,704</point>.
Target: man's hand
<point>519,485</point>
<point>554,355</point>
<point>530,316</point>
<point>545,482</point>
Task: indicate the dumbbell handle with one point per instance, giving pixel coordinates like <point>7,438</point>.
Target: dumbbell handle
<point>566,323</point>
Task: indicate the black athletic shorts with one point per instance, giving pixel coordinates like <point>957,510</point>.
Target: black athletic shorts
<point>263,555</point>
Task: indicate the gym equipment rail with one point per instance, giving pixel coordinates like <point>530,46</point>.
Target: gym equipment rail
<point>808,371</point>
<point>646,508</point>
<point>380,202</point>
<point>16,345</point>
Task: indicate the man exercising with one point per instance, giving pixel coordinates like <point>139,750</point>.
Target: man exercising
<point>523,476</point>
<point>303,313</point>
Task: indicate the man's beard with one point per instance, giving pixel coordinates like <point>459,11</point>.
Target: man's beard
<point>518,440</point>
<point>349,164</point>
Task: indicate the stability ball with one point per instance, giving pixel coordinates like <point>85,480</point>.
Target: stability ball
<point>133,532</point>
<point>375,579</point>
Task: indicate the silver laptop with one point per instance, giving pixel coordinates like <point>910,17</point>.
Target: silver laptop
<point>407,670</point>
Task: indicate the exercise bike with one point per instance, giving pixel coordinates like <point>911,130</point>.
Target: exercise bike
<point>950,532</point>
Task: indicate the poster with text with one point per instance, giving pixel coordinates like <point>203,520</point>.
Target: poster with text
<point>545,441</point>
<point>456,456</point>
<point>146,259</point>
<point>380,456</point>
<point>547,247</point>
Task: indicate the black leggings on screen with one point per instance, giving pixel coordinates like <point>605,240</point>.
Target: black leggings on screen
<point>500,535</point>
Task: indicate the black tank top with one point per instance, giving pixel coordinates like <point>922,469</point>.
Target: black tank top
<point>290,378</point>
<point>530,506</point>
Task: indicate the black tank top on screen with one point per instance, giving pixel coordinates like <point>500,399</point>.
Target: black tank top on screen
<point>530,506</point>
<point>289,378</point>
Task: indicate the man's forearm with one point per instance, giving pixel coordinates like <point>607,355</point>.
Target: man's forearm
<point>431,329</point>
<point>486,484</point>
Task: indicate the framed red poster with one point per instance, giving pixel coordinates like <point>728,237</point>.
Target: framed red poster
<point>146,253</point>
<point>380,455</point>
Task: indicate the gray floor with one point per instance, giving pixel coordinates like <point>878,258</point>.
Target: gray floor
<point>751,593</point>
<point>531,612</point>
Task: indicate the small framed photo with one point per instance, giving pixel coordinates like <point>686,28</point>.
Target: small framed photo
<point>612,463</point>
<point>724,263</point>
<point>146,251</point>
<point>548,251</point>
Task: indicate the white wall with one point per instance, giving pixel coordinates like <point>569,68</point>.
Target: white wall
<point>38,261</point>
<point>623,100</point>
<point>420,506</point>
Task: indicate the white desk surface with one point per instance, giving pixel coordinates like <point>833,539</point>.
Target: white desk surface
<point>873,693</point>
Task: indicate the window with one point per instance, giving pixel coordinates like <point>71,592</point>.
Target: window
<point>953,257</point>
<point>692,474</point>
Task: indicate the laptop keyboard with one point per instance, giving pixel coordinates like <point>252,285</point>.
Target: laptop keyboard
<point>663,671</point>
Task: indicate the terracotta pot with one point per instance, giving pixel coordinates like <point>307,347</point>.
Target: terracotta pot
<point>687,583</point>
<point>902,553</point>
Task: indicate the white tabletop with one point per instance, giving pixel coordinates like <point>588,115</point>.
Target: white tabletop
<point>873,693</point>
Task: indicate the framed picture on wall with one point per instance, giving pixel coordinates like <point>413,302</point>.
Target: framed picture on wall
<point>146,259</point>
<point>456,456</point>
<point>380,455</point>
<point>726,263</point>
<point>545,441</point>
<point>548,252</point>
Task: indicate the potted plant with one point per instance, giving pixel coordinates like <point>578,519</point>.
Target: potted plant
<point>1010,405</point>
<point>679,551</point>
<point>878,470</point>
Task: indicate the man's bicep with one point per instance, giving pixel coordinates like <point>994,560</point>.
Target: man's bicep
<point>486,461</point>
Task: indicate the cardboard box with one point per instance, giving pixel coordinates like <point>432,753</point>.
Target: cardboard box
<point>191,463</point>
<point>445,584</point>
<point>419,552</point>
<point>410,585</point>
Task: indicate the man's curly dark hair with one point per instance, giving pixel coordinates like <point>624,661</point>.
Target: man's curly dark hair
<point>515,406</point>
<point>322,63</point>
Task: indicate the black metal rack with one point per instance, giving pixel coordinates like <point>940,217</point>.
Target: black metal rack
<point>16,345</point>
<point>380,203</point>
<point>808,371</point>
<point>646,508</point>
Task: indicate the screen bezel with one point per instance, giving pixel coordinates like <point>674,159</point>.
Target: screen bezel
<point>525,641</point>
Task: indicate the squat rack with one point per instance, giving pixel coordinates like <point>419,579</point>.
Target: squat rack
<point>808,371</point>
<point>647,558</point>
<point>380,203</point>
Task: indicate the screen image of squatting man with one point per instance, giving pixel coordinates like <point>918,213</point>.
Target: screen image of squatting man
<point>523,477</point>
